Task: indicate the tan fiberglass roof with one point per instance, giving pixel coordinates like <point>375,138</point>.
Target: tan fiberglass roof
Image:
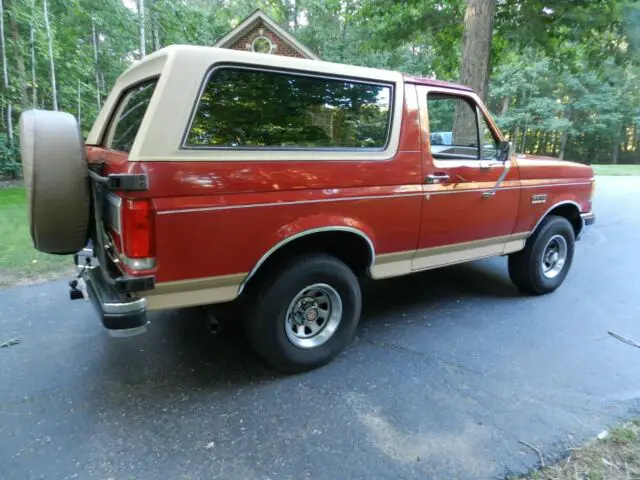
<point>182,68</point>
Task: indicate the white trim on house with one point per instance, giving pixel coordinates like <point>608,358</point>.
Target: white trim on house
<point>251,21</point>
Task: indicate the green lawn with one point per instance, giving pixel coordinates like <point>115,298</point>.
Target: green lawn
<point>614,456</point>
<point>20,263</point>
<point>618,170</point>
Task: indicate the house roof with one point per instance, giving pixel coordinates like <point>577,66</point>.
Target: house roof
<point>251,21</point>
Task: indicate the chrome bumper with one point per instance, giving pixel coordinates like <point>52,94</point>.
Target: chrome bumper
<point>587,219</point>
<point>121,314</point>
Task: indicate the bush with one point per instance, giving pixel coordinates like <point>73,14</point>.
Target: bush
<point>10,165</point>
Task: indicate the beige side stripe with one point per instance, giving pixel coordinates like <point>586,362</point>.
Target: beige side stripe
<point>189,293</point>
<point>402,263</point>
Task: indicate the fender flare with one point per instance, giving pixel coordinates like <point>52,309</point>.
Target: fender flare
<point>549,210</point>
<point>305,233</point>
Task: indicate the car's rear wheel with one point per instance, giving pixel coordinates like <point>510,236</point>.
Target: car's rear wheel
<point>306,313</point>
<point>56,180</point>
<point>544,263</point>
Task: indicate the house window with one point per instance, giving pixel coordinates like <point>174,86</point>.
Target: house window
<point>255,109</point>
<point>262,44</point>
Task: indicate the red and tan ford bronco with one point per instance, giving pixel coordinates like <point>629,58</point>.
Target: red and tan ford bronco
<point>212,175</point>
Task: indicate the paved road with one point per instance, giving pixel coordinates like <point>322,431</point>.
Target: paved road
<point>449,370</point>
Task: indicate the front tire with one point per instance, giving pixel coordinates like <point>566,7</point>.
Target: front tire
<point>305,313</point>
<point>544,263</point>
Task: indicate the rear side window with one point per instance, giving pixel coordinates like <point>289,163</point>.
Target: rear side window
<point>255,109</point>
<point>129,115</point>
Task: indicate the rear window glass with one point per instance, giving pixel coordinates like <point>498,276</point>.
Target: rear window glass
<point>129,116</point>
<point>251,108</point>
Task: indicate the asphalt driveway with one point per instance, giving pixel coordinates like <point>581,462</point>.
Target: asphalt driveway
<point>449,370</point>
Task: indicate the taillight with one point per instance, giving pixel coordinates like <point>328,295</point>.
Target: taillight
<point>137,230</point>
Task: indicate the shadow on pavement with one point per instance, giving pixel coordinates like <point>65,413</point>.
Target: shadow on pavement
<point>421,290</point>
<point>179,354</point>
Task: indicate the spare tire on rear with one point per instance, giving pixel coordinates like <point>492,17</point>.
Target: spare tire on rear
<point>56,180</point>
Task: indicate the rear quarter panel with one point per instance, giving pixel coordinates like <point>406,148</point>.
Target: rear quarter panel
<point>216,218</point>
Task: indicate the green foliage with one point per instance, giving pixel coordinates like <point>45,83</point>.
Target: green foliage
<point>10,165</point>
<point>242,108</point>
<point>564,73</point>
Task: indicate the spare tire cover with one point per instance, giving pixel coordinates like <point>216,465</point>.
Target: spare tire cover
<point>56,180</point>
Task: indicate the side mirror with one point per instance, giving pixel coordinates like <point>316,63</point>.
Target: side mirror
<point>503,151</point>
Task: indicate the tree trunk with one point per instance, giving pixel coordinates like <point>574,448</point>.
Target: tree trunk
<point>548,143</point>
<point>554,144</point>
<point>505,106</point>
<point>54,90</point>
<point>95,64</point>
<point>516,133</point>
<point>295,14</point>
<point>563,144</point>
<point>632,138</point>
<point>34,85</point>
<point>476,45</point>
<point>155,33</point>
<point>22,72</point>
<point>79,104</point>
<point>143,49</point>
<point>542,145</point>
<point>568,113</point>
<point>5,75</point>
<point>616,152</point>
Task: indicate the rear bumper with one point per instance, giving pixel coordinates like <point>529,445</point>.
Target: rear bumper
<point>587,219</point>
<point>121,314</point>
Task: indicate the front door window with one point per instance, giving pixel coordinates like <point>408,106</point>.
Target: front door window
<point>453,127</point>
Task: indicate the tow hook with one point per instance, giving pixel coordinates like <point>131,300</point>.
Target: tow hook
<point>75,293</point>
<point>76,285</point>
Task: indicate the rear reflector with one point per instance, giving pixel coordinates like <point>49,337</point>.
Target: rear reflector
<point>137,229</point>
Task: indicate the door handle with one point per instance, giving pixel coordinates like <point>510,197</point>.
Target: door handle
<point>437,177</point>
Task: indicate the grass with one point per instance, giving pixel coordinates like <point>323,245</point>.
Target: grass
<point>618,170</point>
<point>20,263</point>
<point>616,457</point>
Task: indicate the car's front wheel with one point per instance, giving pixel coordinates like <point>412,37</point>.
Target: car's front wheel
<point>305,313</point>
<point>544,263</point>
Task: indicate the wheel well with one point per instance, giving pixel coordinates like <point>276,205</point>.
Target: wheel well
<point>571,213</point>
<point>353,249</point>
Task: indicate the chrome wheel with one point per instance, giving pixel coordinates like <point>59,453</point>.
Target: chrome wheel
<point>554,256</point>
<point>313,316</point>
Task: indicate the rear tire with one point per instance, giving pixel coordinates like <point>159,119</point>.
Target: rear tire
<point>305,313</point>
<point>544,263</point>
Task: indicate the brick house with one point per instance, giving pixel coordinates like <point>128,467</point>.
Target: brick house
<point>259,33</point>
